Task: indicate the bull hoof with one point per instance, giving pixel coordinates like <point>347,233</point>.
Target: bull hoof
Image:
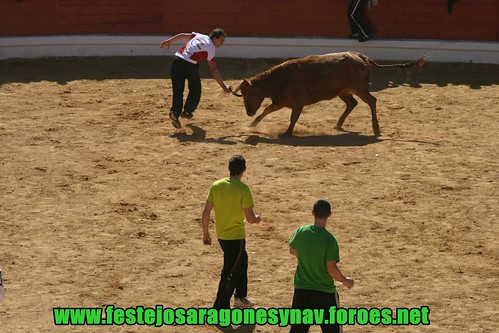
<point>286,134</point>
<point>377,133</point>
<point>253,124</point>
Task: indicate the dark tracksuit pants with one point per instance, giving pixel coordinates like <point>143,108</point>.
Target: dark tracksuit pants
<point>180,71</point>
<point>234,273</point>
<point>314,299</point>
<point>355,18</point>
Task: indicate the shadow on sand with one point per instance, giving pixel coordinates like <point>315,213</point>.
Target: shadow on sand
<point>345,139</point>
<point>65,69</point>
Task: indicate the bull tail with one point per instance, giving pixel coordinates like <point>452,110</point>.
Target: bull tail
<point>418,64</point>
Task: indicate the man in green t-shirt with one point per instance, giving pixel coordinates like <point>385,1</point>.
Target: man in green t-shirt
<point>233,202</point>
<point>318,254</point>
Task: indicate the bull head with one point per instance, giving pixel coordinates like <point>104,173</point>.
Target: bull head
<point>252,96</point>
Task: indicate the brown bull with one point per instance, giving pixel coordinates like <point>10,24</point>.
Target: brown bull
<point>299,82</point>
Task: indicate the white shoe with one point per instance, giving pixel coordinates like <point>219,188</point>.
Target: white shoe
<point>243,303</point>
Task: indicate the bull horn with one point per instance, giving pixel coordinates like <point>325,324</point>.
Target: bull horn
<point>234,91</point>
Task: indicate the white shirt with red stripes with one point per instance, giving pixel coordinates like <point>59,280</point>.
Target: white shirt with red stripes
<point>200,47</point>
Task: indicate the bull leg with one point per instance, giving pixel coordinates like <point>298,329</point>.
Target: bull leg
<point>295,114</point>
<point>269,109</point>
<point>351,104</point>
<point>371,101</point>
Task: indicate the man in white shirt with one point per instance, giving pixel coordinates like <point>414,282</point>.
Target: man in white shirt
<point>185,66</point>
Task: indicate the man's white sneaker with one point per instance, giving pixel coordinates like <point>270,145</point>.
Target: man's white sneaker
<point>243,303</point>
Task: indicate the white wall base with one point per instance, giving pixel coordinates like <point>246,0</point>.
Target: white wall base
<point>249,47</point>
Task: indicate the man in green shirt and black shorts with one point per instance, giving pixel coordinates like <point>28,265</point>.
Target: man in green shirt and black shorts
<point>318,254</point>
<point>233,202</point>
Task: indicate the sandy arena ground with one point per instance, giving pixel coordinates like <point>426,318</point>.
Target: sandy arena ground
<point>101,198</point>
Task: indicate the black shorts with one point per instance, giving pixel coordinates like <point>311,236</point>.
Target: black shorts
<point>314,299</point>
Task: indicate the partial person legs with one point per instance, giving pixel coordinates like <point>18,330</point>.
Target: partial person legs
<point>358,27</point>
<point>234,273</point>
<point>178,85</point>
<point>182,70</point>
<point>194,96</point>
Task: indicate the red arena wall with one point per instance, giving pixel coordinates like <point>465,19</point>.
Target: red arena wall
<point>476,20</point>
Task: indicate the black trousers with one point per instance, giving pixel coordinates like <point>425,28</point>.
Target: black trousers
<point>234,273</point>
<point>180,71</point>
<point>355,18</point>
<point>313,299</point>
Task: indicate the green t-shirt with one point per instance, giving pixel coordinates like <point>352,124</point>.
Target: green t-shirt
<point>230,196</point>
<point>314,247</point>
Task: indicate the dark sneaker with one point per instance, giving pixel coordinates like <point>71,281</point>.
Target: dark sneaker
<point>174,118</point>
<point>354,36</point>
<point>186,115</point>
<point>365,38</point>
